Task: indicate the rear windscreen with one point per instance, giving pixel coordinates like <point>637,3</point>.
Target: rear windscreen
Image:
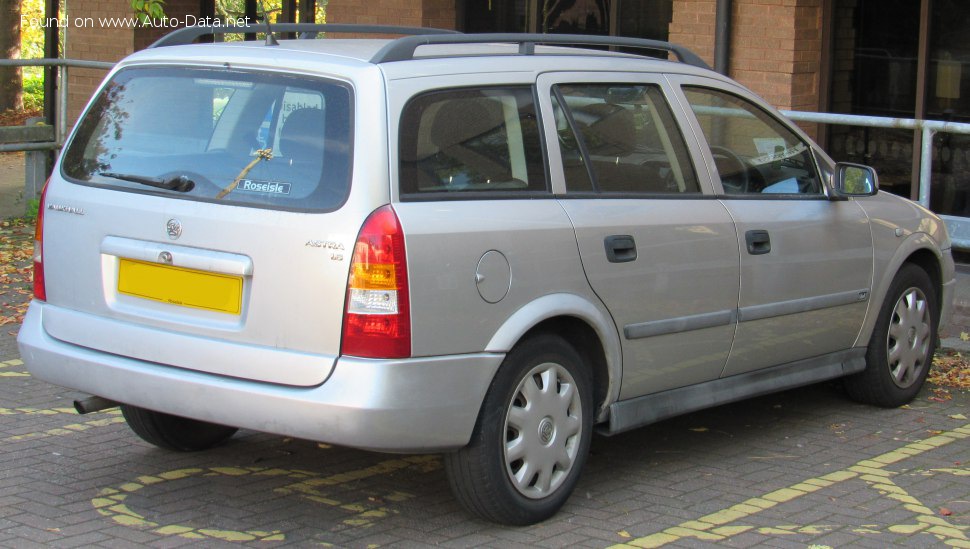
<point>249,139</point>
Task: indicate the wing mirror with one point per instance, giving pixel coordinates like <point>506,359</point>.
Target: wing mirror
<point>855,180</point>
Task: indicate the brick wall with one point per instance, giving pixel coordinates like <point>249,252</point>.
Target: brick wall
<point>174,9</point>
<point>87,38</point>
<point>692,25</point>
<point>776,50</point>
<point>775,45</point>
<point>376,12</point>
<point>439,14</point>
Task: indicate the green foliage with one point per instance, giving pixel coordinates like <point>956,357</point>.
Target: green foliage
<point>146,10</point>
<point>224,10</point>
<point>33,206</point>
<point>32,36</point>
<point>856,181</point>
<point>33,90</point>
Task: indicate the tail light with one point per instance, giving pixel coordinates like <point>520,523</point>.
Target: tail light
<point>40,288</point>
<point>377,318</point>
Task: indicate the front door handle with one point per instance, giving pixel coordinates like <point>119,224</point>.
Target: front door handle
<point>620,248</point>
<point>759,242</point>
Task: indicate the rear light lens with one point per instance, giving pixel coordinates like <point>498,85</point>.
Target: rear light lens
<point>377,318</point>
<point>40,288</point>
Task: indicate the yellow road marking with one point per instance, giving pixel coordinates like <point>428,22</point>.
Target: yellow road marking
<point>36,411</point>
<point>110,502</point>
<point>716,526</point>
<point>12,363</point>
<point>70,428</point>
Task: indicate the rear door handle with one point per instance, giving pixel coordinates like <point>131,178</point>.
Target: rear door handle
<point>759,242</point>
<point>620,248</point>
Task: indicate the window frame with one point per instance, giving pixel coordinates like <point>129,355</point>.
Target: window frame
<point>583,146</point>
<point>547,81</point>
<point>438,196</point>
<point>679,82</point>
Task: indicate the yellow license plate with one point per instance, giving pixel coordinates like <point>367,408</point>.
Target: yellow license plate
<point>180,286</point>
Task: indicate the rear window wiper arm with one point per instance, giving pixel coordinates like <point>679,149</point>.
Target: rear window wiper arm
<point>180,184</point>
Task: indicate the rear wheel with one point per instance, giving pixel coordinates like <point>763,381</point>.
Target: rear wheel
<point>531,438</point>
<point>174,432</point>
<point>901,348</point>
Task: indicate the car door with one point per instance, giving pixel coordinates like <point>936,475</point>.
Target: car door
<point>806,260</point>
<point>657,247</point>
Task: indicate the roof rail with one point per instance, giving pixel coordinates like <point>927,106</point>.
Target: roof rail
<point>188,35</point>
<point>403,49</point>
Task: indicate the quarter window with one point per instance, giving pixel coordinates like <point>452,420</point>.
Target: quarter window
<point>754,153</point>
<point>471,140</point>
<point>620,138</point>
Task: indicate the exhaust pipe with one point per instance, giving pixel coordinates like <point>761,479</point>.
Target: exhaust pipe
<point>93,404</point>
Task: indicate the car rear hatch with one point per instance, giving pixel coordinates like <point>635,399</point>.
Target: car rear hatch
<point>202,218</point>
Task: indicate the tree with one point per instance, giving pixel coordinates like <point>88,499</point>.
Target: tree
<point>11,79</point>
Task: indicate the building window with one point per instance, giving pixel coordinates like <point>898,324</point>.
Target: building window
<point>632,18</point>
<point>575,17</point>
<point>497,15</point>
<point>876,71</point>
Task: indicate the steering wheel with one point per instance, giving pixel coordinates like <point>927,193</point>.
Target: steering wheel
<point>735,176</point>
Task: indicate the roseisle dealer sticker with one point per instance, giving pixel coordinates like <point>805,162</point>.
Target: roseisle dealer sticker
<point>266,187</point>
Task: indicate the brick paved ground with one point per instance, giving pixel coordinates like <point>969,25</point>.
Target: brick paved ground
<point>799,469</point>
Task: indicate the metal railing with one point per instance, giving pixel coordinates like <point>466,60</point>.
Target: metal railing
<point>60,131</point>
<point>928,128</point>
<point>957,226</point>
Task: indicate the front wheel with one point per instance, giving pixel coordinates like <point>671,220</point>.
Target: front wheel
<point>531,438</point>
<point>901,349</point>
<point>174,432</point>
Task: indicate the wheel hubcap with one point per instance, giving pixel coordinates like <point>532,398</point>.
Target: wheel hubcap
<point>546,430</point>
<point>543,427</point>
<point>909,338</point>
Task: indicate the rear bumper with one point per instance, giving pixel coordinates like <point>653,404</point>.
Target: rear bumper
<point>410,405</point>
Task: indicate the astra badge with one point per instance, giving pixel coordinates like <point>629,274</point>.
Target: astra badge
<point>173,228</point>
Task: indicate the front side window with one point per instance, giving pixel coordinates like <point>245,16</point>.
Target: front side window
<point>755,154</point>
<point>471,141</point>
<point>620,138</point>
<point>216,135</point>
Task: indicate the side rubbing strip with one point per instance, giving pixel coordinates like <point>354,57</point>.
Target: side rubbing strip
<point>781,308</point>
<point>680,324</point>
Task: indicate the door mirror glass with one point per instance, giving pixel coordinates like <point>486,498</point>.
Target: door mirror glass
<point>856,180</point>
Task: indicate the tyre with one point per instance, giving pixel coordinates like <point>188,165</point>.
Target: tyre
<point>174,432</point>
<point>531,438</point>
<point>901,349</point>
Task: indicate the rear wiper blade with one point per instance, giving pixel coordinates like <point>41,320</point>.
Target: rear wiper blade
<point>180,184</point>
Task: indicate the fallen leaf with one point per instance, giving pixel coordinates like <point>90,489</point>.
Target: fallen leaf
<point>945,512</point>
<point>964,336</point>
<point>958,416</point>
<point>624,534</point>
<point>700,429</point>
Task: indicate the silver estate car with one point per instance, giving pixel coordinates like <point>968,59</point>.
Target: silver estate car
<point>489,246</point>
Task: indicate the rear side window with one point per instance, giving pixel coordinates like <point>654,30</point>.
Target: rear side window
<point>471,141</point>
<point>620,138</point>
<point>242,138</point>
